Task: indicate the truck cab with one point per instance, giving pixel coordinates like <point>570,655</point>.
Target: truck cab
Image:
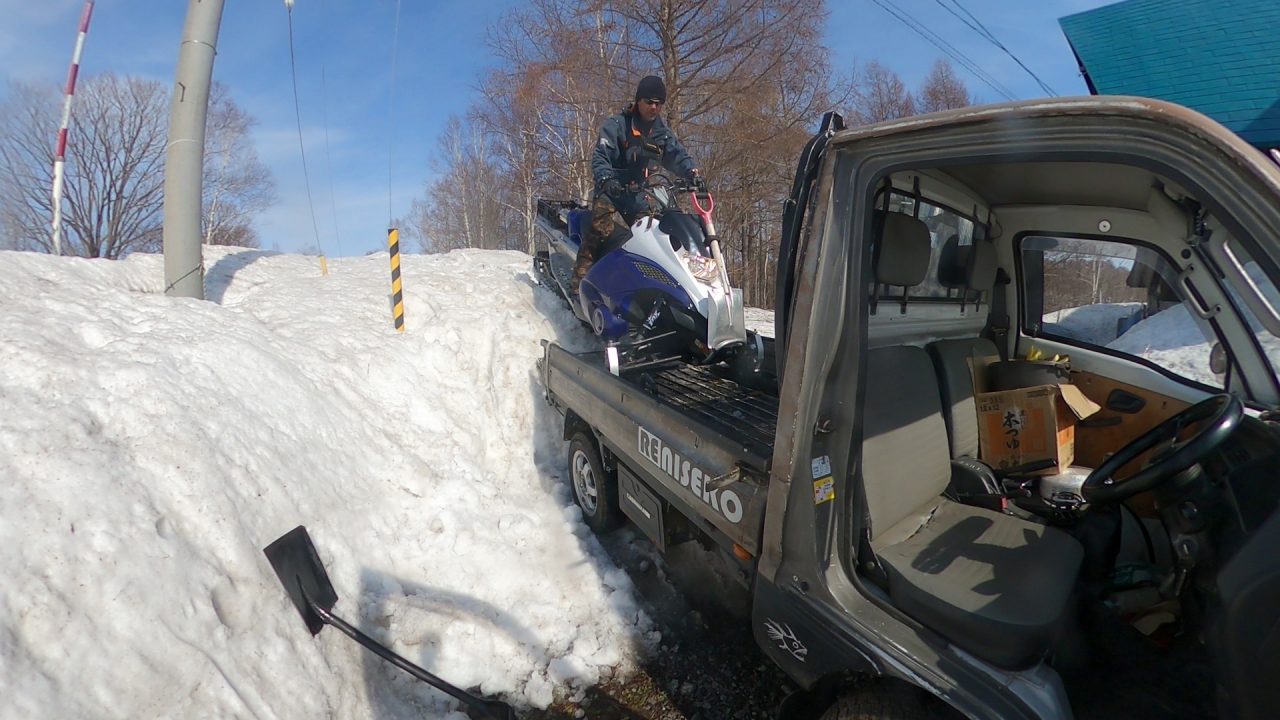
<point>1131,247</point>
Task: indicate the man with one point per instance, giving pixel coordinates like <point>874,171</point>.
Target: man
<point>628,143</point>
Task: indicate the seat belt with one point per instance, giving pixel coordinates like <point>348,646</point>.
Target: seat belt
<point>997,328</point>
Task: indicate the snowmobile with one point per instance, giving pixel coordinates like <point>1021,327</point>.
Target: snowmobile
<point>659,289</point>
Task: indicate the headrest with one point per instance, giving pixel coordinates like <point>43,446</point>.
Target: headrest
<point>967,267</point>
<point>981,270</point>
<point>904,250</point>
<point>953,260</point>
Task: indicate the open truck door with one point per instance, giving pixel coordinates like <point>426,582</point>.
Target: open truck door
<point>1138,243</point>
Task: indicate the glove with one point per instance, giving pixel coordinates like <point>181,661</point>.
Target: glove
<point>611,187</point>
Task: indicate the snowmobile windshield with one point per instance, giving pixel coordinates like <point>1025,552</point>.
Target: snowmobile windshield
<point>685,232</point>
<point>662,198</point>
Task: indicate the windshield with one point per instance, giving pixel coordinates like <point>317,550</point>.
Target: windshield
<point>1120,296</point>
<point>663,199</point>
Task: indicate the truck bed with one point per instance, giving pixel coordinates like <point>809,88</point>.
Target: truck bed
<point>697,439</point>
<point>750,416</point>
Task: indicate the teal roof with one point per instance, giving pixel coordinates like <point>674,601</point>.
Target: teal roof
<point>1220,57</point>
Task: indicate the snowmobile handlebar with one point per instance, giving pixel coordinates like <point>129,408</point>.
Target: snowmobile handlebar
<point>711,203</point>
<point>661,179</point>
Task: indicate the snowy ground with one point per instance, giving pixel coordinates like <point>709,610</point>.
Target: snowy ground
<point>1091,323</point>
<point>150,447</point>
<point>1170,338</point>
<point>759,320</point>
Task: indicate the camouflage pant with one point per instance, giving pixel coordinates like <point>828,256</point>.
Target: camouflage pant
<point>602,212</point>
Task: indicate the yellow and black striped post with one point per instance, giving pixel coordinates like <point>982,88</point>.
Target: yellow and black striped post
<point>397,291</point>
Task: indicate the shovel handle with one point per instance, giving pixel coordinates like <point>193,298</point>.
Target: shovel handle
<point>486,709</point>
<point>705,212</point>
<point>711,204</point>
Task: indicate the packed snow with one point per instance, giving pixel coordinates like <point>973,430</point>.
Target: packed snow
<point>1171,339</point>
<point>759,320</point>
<point>150,447</point>
<point>1097,324</point>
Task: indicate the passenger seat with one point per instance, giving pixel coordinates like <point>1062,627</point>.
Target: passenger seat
<point>951,358</point>
<point>952,364</point>
<point>992,584</point>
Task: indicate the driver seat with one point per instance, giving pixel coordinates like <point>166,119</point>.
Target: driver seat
<point>992,584</point>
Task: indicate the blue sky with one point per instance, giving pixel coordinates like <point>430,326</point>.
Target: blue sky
<point>343,51</point>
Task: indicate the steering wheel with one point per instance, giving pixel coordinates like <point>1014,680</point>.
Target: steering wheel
<point>1219,415</point>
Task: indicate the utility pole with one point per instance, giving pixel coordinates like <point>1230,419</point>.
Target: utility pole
<point>184,159</point>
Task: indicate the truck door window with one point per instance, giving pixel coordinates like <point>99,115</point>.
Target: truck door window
<point>1121,297</point>
<point>1269,343</point>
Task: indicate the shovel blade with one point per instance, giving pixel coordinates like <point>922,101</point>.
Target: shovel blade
<point>296,563</point>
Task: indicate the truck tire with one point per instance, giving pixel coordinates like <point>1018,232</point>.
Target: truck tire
<point>885,701</point>
<point>595,490</point>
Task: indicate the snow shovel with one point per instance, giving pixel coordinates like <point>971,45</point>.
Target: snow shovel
<point>304,578</point>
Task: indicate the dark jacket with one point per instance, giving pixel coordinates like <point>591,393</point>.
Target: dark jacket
<point>623,151</point>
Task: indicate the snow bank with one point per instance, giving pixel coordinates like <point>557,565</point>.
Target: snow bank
<point>1094,324</point>
<point>150,447</point>
<point>1172,340</point>
<point>759,320</point>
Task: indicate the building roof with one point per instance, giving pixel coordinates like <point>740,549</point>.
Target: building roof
<point>1220,57</point>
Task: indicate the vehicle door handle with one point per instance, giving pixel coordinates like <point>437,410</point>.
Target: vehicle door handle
<point>1123,401</point>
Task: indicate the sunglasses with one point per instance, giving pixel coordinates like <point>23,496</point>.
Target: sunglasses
<point>653,101</point>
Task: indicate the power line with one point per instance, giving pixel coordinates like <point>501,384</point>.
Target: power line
<point>982,30</point>
<point>946,47</point>
<point>297,112</point>
<point>937,41</point>
<point>328,157</point>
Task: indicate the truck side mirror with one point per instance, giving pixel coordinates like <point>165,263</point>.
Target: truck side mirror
<point>1218,359</point>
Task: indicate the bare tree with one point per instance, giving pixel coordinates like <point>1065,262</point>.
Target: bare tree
<point>114,184</point>
<point>463,208</point>
<point>746,81</point>
<point>1075,278</point>
<point>26,168</point>
<point>237,185</point>
<point>882,95</point>
<point>114,172</point>
<point>942,90</point>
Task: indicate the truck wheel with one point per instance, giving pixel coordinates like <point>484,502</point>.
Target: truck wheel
<point>594,489</point>
<point>885,701</point>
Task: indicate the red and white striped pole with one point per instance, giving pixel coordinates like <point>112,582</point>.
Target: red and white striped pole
<point>60,152</point>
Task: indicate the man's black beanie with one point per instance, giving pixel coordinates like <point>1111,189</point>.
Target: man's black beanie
<point>651,87</point>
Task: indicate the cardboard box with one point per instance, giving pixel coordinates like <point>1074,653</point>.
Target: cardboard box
<point>1026,425</point>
